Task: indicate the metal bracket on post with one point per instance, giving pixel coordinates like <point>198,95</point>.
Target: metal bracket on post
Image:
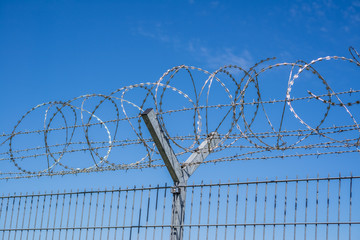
<point>179,174</point>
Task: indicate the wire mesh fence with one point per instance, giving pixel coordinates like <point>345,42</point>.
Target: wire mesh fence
<point>307,208</point>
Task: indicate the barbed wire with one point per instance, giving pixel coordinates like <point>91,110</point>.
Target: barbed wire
<point>122,143</point>
<point>190,103</point>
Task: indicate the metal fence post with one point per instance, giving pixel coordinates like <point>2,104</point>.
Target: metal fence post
<point>178,211</point>
<point>179,173</point>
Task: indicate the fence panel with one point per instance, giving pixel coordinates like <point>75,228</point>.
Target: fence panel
<point>316,208</point>
<point>136,213</point>
<point>311,208</point>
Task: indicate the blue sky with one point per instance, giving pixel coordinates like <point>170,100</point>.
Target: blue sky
<point>57,50</point>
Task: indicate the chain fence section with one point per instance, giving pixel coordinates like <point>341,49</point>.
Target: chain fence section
<point>307,208</point>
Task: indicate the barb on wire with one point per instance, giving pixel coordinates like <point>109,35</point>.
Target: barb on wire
<point>256,115</point>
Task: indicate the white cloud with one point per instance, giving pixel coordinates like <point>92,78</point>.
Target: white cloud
<point>323,29</point>
<point>156,33</point>
<point>356,3</point>
<point>352,13</point>
<point>215,58</point>
<point>228,57</point>
<point>211,58</point>
<point>214,4</point>
<point>293,11</point>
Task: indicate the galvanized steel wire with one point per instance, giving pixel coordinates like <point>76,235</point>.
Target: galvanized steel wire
<point>72,123</point>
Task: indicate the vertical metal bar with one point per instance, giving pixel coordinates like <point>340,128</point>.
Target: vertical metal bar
<point>42,215</point>
<point>48,220</point>
<point>132,212</point>
<point>62,213</point>
<point>140,209</point>
<point>102,214</point>
<point>350,205</point>
<point>56,207</point>
<point>246,201</point>
<point>6,211</point>
<point>147,213</point>
<point>163,215</point>
<point>18,213</point>
<point>275,196</point>
<point>23,219</point>
<point>31,205</point>
<point>36,211</point>
<point>296,199</point>
<point>96,209</point>
<point>317,205</point>
<point>327,207</point>
<point>227,209</point>
<point>11,217</point>
<point>236,207</point>
<point>75,211</point>
<point>306,204</point>
<point>217,211</point>
<point>125,206</point>
<point>1,206</point>
<point>110,211</point>
<point>89,215</point>
<point>208,217</point>
<point>265,203</point>
<point>156,206</point>
<point>117,213</point>
<point>285,205</point>
<point>191,209</point>
<point>178,211</point>
<point>68,216</point>
<point>338,228</point>
<point>255,206</point>
<point>82,214</point>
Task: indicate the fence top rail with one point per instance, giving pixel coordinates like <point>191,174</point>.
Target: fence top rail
<point>183,225</point>
<point>166,186</point>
